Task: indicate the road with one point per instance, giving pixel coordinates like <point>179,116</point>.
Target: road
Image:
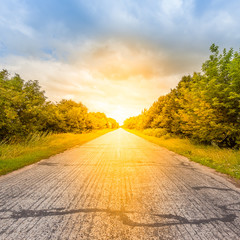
<point>118,186</point>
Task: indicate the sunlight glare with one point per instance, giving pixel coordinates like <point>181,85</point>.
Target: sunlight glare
<point>119,114</point>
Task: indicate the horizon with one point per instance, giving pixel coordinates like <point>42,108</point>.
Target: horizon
<point>116,58</point>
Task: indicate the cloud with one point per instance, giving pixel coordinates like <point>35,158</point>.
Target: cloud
<point>49,27</point>
<point>117,60</point>
<point>12,16</point>
<point>91,86</point>
<point>113,54</point>
<point>124,60</point>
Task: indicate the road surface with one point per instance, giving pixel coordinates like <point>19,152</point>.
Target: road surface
<point>118,186</point>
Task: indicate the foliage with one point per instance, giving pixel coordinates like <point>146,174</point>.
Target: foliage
<point>155,132</point>
<point>97,120</point>
<point>25,110</point>
<point>204,106</point>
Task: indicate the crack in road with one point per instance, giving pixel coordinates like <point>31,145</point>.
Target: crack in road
<point>118,186</point>
<point>126,220</point>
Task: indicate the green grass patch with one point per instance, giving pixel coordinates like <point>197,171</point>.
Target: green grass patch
<point>39,146</point>
<point>223,160</point>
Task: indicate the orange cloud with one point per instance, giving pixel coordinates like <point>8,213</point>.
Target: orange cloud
<point>118,78</point>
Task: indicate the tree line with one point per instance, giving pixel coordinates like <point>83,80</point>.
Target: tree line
<point>24,109</point>
<point>204,106</point>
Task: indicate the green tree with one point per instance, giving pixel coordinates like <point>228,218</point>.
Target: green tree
<point>205,106</point>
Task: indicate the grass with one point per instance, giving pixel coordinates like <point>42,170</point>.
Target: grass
<point>223,160</point>
<point>39,146</point>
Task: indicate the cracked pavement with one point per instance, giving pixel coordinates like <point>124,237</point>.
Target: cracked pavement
<point>118,186</point>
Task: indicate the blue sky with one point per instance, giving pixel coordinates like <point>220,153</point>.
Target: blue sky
<point>114,56</point>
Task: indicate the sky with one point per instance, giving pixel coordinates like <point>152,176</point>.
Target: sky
<point>115,57</point>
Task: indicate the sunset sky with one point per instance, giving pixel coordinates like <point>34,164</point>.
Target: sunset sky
<point>116,57</point>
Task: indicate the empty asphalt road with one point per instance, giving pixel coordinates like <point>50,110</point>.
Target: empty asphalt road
<point>118,186</point>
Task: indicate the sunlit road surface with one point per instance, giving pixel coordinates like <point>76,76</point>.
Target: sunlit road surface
<point>118,186</point>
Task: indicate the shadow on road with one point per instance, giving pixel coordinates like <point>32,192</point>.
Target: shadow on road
<point>162,219</point>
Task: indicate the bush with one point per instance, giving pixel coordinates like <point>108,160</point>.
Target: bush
<point>155,132</point>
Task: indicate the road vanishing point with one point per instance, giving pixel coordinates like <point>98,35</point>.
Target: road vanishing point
<point>118,186</point>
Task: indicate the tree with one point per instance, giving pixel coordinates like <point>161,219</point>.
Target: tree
<point>24,109</point>
<point>205,106</point>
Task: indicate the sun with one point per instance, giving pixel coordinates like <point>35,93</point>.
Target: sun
<point>119,114</point>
